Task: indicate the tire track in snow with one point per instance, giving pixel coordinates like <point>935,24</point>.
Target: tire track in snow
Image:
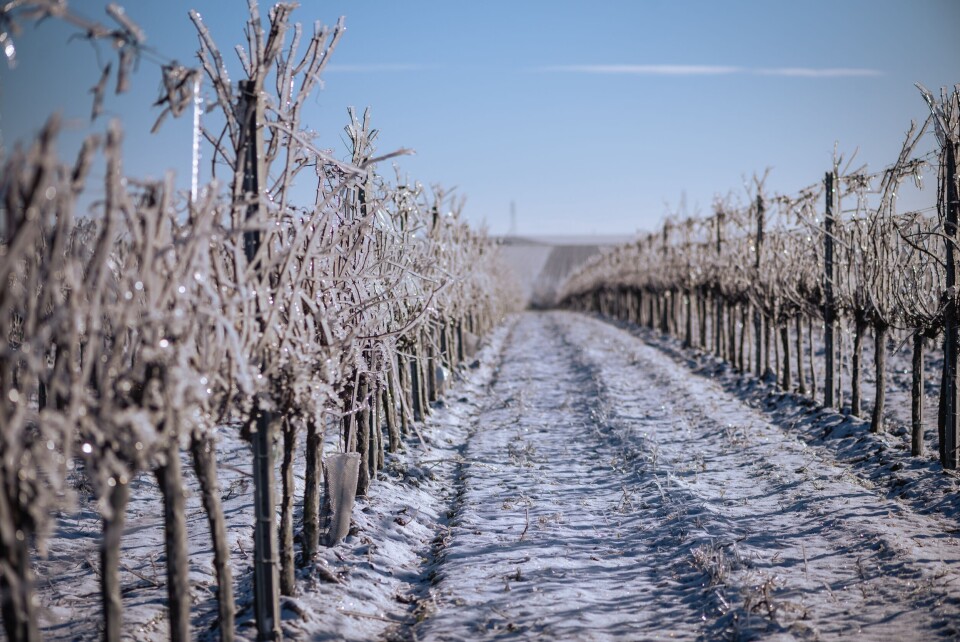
<point>556,536</point>
<point>794,546</point>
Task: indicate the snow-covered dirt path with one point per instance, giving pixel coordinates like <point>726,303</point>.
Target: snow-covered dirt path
<point>608,493</point>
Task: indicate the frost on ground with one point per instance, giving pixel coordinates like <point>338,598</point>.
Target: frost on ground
<point>581,483</point>
<point>608,494</point>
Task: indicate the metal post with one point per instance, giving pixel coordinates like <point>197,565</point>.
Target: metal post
<point>829,304</point>
<point>950,458</point>
<point>757,319</point>
<point>718,322</point>
<point>266,596</point>
<point>664,316</point>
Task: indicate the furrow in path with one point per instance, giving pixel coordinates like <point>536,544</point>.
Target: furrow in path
<point>792,545</point>
<point>552,539</point>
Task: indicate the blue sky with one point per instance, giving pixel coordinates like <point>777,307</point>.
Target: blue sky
<point>591,116</point>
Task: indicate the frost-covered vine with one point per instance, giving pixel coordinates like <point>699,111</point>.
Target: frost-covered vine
<point>134,336</point>
<point>755,282</point>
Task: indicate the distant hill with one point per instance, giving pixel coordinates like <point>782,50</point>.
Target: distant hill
<point>542,262</point>
<point>599,240</point>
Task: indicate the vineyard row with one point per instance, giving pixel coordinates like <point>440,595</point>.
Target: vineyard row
<point>134,335</point>
<point>749,281</point>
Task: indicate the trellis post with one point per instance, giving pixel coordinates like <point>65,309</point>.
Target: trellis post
<point>718,323</point>
<point>266,596</point>
<point>757,318</point>
<point>829,302</point>
<point>950,438</point>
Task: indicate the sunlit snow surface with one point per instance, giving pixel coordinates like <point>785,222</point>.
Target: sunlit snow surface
<point>583,484</point>
<point>662,507</point>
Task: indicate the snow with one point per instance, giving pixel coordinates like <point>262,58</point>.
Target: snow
<point>583,481</point>
<point>807,544</point>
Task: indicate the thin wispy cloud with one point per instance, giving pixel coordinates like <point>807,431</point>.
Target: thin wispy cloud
<point>643,70</point>
<point>710,70</point>
<point>374,68</point>
<point>829,72</point>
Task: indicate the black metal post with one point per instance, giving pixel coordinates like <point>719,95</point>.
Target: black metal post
<point>266,578</point>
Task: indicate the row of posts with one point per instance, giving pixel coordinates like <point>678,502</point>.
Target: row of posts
<point>947,420</point>
<point>267,562</point>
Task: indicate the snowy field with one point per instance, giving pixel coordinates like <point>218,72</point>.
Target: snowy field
<point>584,481</point>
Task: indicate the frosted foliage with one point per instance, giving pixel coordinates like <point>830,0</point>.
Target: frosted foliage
<point>155,321</point>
